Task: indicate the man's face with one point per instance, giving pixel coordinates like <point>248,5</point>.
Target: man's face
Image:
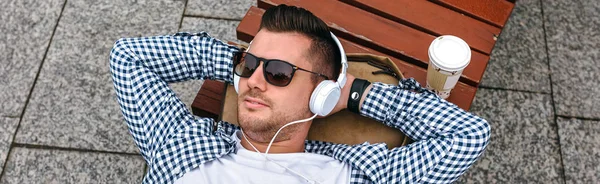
<point>263,108</point>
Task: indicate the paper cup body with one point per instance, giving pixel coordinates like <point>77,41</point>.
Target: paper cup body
<point>448,57</point>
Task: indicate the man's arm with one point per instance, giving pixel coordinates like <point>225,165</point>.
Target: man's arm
<point>141,69</point>
<point>448,139</point>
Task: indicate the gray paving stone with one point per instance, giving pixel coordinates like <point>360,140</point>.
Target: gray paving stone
<point>519,59</point>
<point>524,146</point>
<point>573,42</point>
<point>186,91</point>
<point>580,145</point>
<point>223,30</point>
<point>25,31</point>
<point>228,9</point>
<point>56,166</point>
<point>7,131</point>
<point>73,103</point>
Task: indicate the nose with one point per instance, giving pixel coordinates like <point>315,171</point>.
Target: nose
<point>257,79</point>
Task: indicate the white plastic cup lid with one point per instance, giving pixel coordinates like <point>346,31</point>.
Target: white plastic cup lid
<point>449,53</point>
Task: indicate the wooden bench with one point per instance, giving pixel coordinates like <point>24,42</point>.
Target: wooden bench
<point>401,30</point>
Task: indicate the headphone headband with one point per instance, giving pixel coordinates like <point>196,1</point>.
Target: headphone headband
<point>342,78</point>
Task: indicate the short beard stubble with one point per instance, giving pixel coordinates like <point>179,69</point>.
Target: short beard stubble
<point>263,129</point>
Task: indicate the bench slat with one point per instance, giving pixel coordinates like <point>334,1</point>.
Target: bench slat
<point>209,100</point>
<point>462,95</point>
<point>494,12</point>
<point>434,19</point>
<point>380,34</point>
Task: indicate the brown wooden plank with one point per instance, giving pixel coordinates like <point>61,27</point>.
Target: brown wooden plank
<point>494,12</point>
<point>209,100</point>
<point>380,34</point>
<point>434,19</point>
<point>462,94</point>
<point>212,86</point>
<point>211,94</point>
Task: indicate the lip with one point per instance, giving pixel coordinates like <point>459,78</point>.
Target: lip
<point>254,103</point>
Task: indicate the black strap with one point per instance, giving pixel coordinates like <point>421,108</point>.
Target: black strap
<point>356,92</point>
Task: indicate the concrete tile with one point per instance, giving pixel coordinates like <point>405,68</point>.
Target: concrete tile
<point>25,31</point>
<point>573,42</point>
<point>8,126</point>
<point>580,145</point>
<point>223,30</point>
<point>56,166</point>
<point>524,146</point>
<point>519,59</point>
<point>186,91</point>
<point>227,9</point>
<point>73,103</point>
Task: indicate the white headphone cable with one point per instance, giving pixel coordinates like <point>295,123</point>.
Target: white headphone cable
<point>291,123</point>
<point>273,139</point>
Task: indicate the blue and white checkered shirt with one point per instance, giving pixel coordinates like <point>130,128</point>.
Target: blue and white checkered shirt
<point>173,141</point>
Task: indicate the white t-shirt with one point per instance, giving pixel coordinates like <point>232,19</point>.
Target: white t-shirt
<point>251,167</point>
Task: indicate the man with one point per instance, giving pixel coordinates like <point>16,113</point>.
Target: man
<point>290,55</point>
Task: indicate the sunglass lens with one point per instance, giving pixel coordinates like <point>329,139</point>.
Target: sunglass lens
<point>279,73</point>
<point>246,66</point>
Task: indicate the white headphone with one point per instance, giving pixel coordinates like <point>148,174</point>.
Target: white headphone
<point>327,93</point>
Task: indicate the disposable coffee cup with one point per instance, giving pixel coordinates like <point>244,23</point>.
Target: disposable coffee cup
<point>448,57</point>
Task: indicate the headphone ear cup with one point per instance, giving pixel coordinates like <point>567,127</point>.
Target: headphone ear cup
<point>324,98</point>
<point>236,83</point>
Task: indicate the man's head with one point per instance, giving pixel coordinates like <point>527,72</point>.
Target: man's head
<point>296,36</point>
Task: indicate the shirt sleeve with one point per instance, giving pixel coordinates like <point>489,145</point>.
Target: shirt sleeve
<point>448,139</point>
<point>141,70</point>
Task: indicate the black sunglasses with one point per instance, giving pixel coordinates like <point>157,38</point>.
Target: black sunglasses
<point>276,72</point>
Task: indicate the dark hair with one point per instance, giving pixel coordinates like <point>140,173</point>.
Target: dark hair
<point>324,50</point>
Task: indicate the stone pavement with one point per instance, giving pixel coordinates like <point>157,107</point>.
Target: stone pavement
<point>60,123</point>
